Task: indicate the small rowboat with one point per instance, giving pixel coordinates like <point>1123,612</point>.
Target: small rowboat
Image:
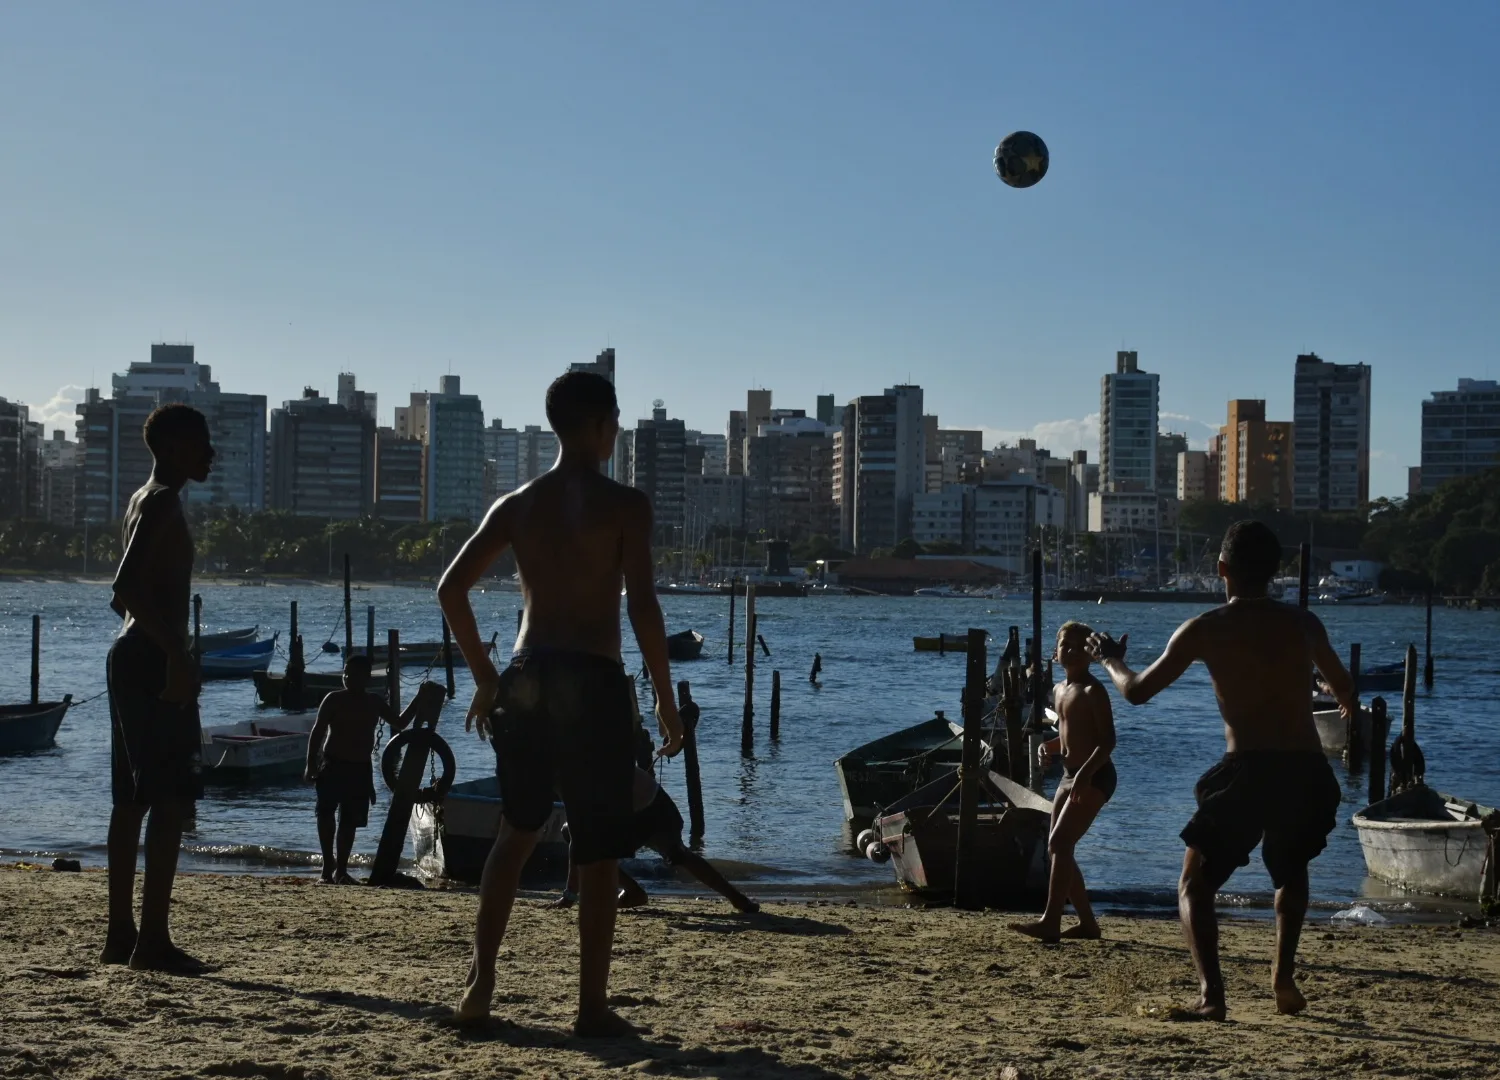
<point>453,838</point>
<point>1429,842</point>
<point>687,645</point>
<point>880,772</point>
<point>315,685</point>
<point>256,751</point>
<point>1333,729</point>
<point>943,643</point>
<point>226,639</point>
<point>238,661</point>
<point>420,653</point>
<point>25,728</point>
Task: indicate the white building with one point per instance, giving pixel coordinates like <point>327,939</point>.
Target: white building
<point>943,516</point>
<point>1125,511</point>
<point>455,454</point>
<point>1192,475</point>
<point>1000,518</point>
<point>1128,406</point>
<point>355,399</point>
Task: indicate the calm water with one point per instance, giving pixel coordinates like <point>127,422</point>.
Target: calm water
<point>778,814</point>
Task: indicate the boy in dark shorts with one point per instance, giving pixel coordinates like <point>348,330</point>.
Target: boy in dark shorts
<point>563,718</point>
<point>1274,786</point>
<point>1085,739</point>
<point>338,761</point>
<point>156,743</point>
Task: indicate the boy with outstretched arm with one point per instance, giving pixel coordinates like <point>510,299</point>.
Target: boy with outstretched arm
<point>1085,739</point>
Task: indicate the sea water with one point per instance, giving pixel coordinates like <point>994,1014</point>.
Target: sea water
<point>776,817</point>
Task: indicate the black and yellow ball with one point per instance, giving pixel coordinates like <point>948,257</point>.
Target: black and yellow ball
<point>1021,159</point>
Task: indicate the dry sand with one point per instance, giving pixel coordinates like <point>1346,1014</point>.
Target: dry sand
<point>316,982</point>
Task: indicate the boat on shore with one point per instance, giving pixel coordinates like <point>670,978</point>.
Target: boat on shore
<point>687,645</point>
<point>1430,842</point>
<point>237,661</point>
<point>452,839</point>
<point>256,751</point>
<point>32,726</point>
<point>880,772</point>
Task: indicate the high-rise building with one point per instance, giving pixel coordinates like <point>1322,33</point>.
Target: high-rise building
<point>1413,480</point>
<point>604,365</point>
<point>15,466</point>
<point>322,459</point>
<point>880,468</point>
<point>997,519</point>
<point>1460,432</point>
<point>789,480</point>
<point>455,454</point>
<point>734,444</point>
<point>1331,441</point>
<point>1128,405</point>
<point>658,466</point>
<point>1197,476</point>
<point>58,460</point>
<point>714,454</point>
<point>1168,445</point>
<point>411,419</point>
<point>351,397</point>
<point>827,411</point>
<point>398,476</point>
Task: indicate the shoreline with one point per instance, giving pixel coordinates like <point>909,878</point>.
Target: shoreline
<point>306,989</point>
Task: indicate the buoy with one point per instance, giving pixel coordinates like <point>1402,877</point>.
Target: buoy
<point>878,852</point>
<point>865,839</point>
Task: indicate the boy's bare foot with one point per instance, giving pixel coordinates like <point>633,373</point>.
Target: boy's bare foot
<point>1048,935</point>
<point>343,878</point>
<point>565,901</point>
<point>1082,933</point>
<point>166,958</point>
<point>1289,1000</point>
<point>607,1024</point>
<point>475,1004</point>
<point>326,878</point>
<point>1203,1010</point>
<point>117,947</point>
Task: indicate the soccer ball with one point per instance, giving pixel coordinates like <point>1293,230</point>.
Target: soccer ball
<point>1021,159</point>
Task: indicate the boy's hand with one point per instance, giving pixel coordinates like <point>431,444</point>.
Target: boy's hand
<point>1103,647</point>
<point>482,704</point>
<point>670,725</point>
<point>1044,754</point>
<point>182,679</point>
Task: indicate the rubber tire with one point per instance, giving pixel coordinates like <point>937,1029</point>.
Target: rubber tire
<point>391,756</point>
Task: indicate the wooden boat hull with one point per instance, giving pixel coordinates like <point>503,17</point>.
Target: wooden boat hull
<point>880,772</point>
<point>256,752</point>
<point>1429,842</point>
<point>28,728</point>
<point>418,654</point>
<point>226,639</point>
<point>315,686</point>
<point>687,645</point>
<point>240,662</point>
<point>1333,729</point>
<point>452,840</point>
<point>921,833</point>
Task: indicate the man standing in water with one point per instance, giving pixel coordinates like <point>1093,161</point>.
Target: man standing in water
<point>564,719</point>
<point>1275,782</point>
<point>155,738</point>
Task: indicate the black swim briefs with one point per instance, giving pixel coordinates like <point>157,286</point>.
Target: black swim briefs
<point>564,725</point>
<point>348,787</point>
<point>1291,798</point>
<point>156,748</point>
<point>1105,778</point>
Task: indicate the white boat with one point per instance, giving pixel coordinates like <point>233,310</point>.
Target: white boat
<point>1429,842</point>
<point>256,751</point>
<point>1333,729</point>
<point>452,840</point>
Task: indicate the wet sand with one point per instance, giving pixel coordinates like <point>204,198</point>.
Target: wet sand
<point>314,982</point>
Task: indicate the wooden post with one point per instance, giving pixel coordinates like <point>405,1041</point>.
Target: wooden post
<point>348,613</point>
<point>1353,748</point>
<point>393,667</point>
<point>1427,667</point>
<point>423,740</point>
<point>764,648</point>
<point>966,868</point>
<point>291,683</point>
<point>448,659</point>
<point>1304,574</point>
<point>775,706</point>
<point>293,634</point>
<point>36,659</point>
<point>747,722</point>
<point>1038,690</point>
<point>688,709</point>
<point>1015,722</point>
<point>370,632</point>
<point>732,582</point>
<point>1380,727</point>
<point>1407,766</point>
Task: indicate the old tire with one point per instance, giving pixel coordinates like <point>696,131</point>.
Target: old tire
<point>429,741</point>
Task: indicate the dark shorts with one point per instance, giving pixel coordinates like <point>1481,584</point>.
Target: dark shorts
<point>1105,778</point>
<point>565,725</point>
<point>156,749</point>
<point>659,827</point>
<point>349,788</point>
<point>1289,798</point>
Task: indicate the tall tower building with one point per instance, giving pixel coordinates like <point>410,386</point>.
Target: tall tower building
<point>880,467</point>
<point>1460,432</point>
<point>1128,405</point>
<point>658,466</point>
<point>455,454</point>
<point>1331,441</point>
<point>1255,458</point>
<point>322,459</point>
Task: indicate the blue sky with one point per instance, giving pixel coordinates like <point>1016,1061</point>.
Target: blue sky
<point>797,196</point>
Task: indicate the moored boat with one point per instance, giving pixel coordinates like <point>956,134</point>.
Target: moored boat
<point>29,727</point>
<point>1333,729</point>
<point>237,661</point>
<point>687,645</point>
<point>880,772</point>
<point>226,639</point>
<point>1429,842</point>
<point>452,839</point>
<point>256,751</point>
<point>315,685</point>
<point>419,653</point>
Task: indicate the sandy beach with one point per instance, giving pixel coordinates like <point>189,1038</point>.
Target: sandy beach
<point>315,982</point>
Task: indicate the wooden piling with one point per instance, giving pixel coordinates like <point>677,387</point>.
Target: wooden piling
<point>775,706</point>
<point>293,633</point>
<point>1407,765</point>
<point>1038,688</point>
<point>393,667</point>
<point>348,613</point>
<point>370,632</point>
<point>291,683</point>
<point>1380,726</point>
<point>36,659</point>
<point>1427,667</point>
<point>764,648</point>
<point>448,659</point>
<point>1015,721</point>
<point>747,721</point>
<point>1304,574</point>
<point>732,583</point>
<point>966,867</point>
<point>688,710</point>
<point>1353,748</point>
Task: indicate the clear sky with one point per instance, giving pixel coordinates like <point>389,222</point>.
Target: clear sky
<point>791,195</point>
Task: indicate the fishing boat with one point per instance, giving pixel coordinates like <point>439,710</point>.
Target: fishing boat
<point>950,592</point>
<point>880,772</point>
<point>453,838</point>
<point>24,728</point>
<point>920,832</point>
<point>238,661</point>
<point>942,643</point>
<point>226,639</point>
<point>687,645</point>
<point>1333,729</point>
<point>315,685</point>
<point>256,751</point>
<point>417,653</point>
<point>1382,678</point>
<point>1429,842</point>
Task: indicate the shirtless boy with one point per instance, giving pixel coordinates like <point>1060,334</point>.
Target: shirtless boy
<point>564,720</point>
<point>338,761</point>
<point>1275,782</point>
<point>1085,739</point>
<point>155,738</point>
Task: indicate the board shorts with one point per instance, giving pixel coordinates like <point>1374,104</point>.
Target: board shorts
<point>1105,778</point>
<point>659,827</point>
<point>1288,798</point>
<point>349,788</point>
<point>156,748</point>
<point>565,726</point>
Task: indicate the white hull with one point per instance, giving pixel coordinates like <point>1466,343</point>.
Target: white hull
<point>453,841</point>
<point>1333,729</point>
<point>256,749</point>
<point>1415,841</point>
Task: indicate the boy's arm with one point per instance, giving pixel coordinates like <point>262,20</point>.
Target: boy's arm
<point>1335,675</point>
<point>1167,669</point>
<point>645,616</point>
<point>315,740</point>
<point>399,720</point>
<point>133,593</point>
<point>473,559</point>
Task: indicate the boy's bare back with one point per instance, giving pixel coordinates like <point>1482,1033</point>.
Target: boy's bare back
<point>569,529</point>
<point>351,716</point>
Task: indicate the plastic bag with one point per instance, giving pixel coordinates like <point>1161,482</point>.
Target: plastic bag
<point>1358,915</point>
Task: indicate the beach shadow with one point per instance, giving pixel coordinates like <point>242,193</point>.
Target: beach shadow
<point>1359,1029</point>
<point>733,922</point>
<point>371,1003</point>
